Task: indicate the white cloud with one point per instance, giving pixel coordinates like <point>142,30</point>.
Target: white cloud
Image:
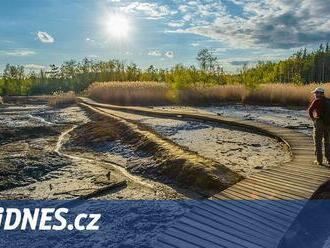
<point>174,24</point>
<point>192,3</point>
<point>266,23</point>
<point>187,17</point>
<point>183,8</point>
<point>194,44</point>
<point>89,40</point>
<point>44,37</point>
<point>92,56</point>
<point>179,31</point>
<point>169,54</point>
<point>18,52</point>
<point>34,67</point>
<point>155,53</point>
<point>151,10</point>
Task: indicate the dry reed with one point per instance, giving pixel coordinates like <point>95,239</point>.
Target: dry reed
<point>131,93</point>
<point>62,99</point>
<point>152,93</point>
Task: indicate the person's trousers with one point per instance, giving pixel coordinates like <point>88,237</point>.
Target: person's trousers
<point>321,132</point>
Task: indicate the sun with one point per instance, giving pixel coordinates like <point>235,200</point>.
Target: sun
<point>118,26</point>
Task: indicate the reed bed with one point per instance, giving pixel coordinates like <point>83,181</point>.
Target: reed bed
<point>212,95</point>
<point>284,94</point>
<point>153,94</point>
<point>131,93</point>
<point>61,99</point>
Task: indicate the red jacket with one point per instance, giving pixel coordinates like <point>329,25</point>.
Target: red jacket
<point>316,108</point>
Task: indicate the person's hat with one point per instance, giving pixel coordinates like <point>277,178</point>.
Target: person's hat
<point>318,90</point>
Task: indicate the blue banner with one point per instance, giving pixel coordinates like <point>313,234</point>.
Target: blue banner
<point>156,223</point>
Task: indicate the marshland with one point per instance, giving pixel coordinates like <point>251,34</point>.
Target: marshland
<point>183,123</point>
<point>77,131</point>
<point>53,142</point>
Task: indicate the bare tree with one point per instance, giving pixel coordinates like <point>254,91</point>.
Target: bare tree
<point>207,60</point>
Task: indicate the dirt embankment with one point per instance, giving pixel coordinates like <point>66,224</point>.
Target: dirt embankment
<point>164,160</point>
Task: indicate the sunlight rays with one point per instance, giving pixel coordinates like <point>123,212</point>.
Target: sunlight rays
<point>118,26</point>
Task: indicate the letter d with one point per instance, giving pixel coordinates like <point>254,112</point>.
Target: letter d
<point>9,215</point>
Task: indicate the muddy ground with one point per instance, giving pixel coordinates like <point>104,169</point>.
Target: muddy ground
<point>239,149</point>
<point>34,165</point>
<point>40,158</point>
<point>292,118</point>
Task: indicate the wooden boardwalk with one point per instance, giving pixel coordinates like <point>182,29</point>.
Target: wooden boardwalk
<point>230,218</point>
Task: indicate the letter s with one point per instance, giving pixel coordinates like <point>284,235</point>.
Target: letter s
<point>60,219</point>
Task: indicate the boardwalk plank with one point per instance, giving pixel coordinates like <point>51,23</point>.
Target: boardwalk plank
<point>266,206</point>
<point>241,217</point>
<point>209,218</point>
<point>220,234</point>
<point>284,207</point>
<point>284,185</point>
<point>277,193</point>
<point>282,181</point>
<point>263,192</point>
<point>297,173</point>
<point>195,239</point>
<point>284,188</point>
<point>173,241</point>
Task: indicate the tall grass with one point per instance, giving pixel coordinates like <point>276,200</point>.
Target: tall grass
<point>209,95</point>
<point>131,93</point>
<point>152,93</point>
<point>284,94</point>
<point>61,99</point>
<point>1,100</point>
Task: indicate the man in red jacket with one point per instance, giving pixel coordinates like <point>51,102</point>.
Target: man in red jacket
<point>321,131</point>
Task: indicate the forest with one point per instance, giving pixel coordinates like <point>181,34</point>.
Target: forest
<point>303,67</point>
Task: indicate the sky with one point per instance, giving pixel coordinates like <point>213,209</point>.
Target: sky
<point>37,33</point>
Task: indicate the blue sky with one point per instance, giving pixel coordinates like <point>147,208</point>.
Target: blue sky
<point>36,33</point>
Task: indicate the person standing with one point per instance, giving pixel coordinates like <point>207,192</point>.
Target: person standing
<point>321,131</point>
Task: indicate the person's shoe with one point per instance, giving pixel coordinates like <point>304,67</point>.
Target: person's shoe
<point>318,163</point>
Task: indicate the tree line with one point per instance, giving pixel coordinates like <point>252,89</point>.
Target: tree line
<point>301,68</point>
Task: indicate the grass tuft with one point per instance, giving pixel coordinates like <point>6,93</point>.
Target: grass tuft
<point>61,99</point>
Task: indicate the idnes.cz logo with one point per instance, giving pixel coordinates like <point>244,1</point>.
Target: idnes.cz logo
<point>46,219</point>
